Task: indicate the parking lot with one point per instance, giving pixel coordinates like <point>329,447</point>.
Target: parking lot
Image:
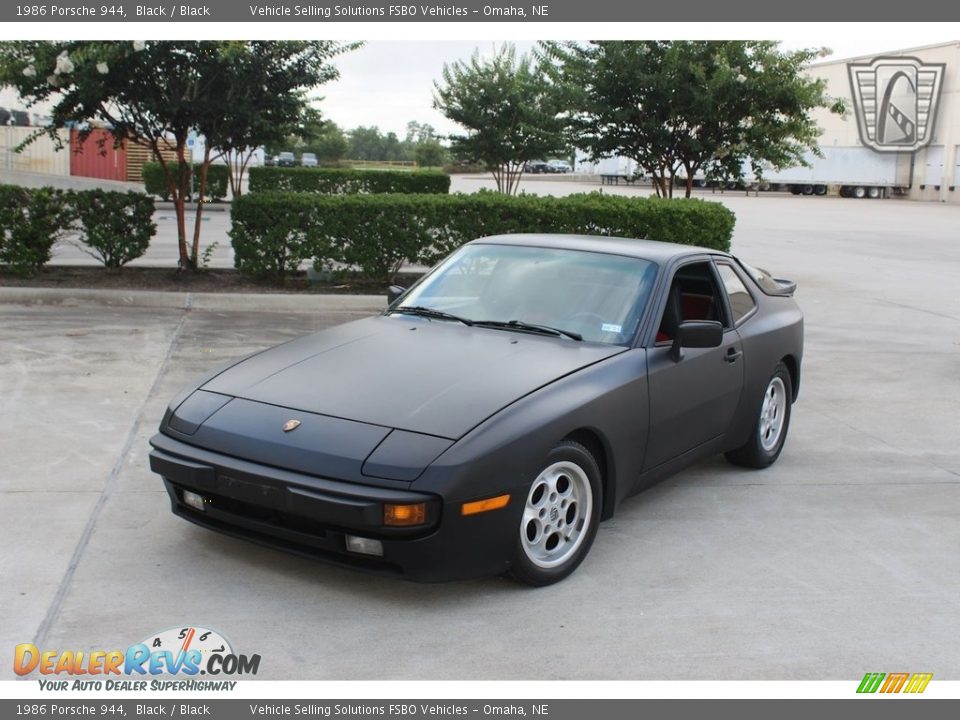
<point>840,559</point>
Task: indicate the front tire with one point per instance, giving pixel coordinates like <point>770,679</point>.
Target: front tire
<point>560,516</point>
<point>773,420</point>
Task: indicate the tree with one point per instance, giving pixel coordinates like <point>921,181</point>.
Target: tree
<point>329,145</point>
<point>155,94</point>
<point>365,143</point>
<point>418,133</point>
<point>511,110</point>
<point>430,153</point>
<point>264,87</point>
<point>391,148</point>
<point>678,107</point>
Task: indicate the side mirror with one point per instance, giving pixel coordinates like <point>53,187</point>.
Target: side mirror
<point>393,293</point>
<point>696,334</point>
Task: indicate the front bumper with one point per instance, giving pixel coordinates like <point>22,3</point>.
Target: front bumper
<point>311,516</point>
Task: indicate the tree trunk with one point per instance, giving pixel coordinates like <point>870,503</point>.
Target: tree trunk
<point>658,183</point>
<point>195,248</point>
<point>175,187</point>
<point>237,162</point>
<point>690,170</point>
<point>233,173</point>
<point>242,171</point>
<point>498,178</point>
<point>180,204</point>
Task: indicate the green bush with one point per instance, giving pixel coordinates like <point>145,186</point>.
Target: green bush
<point>347,181</point>
<point>218,179</point>
<point>116,226</point>
<point>31,221</point>
<point>430,154</point>
<point>273,233</point>
<point>465,169</point>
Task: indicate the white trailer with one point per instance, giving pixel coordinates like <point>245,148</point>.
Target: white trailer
<point>612,167</point>
<point>854,171</point>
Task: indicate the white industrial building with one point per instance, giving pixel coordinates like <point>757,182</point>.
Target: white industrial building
<point>931,172</point>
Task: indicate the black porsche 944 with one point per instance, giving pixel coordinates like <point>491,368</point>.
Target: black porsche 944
<point>496,412</point>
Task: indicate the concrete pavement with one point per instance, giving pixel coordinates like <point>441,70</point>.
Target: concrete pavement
<point>841,558</point>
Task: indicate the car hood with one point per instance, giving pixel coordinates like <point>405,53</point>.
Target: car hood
<point>433,377</point>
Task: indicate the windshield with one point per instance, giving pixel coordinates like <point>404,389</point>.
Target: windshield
<point>595,295</point>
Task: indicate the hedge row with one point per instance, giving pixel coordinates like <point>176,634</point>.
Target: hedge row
<point>114,227</point>
<point>218,179</point>
<point>346,181</point>
<point>272,234</point>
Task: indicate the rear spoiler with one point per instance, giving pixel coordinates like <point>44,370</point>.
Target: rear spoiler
<point>787,287</point>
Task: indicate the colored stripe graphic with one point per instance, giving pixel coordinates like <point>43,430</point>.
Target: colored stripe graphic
<point>870,682</point>
<point>918,682</point>
<point>894,682</point>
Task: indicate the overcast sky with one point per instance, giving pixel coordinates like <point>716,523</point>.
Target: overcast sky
<point>388,83</point>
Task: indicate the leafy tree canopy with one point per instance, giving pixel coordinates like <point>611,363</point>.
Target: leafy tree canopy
<point>682,107</point>
<point>511,110</point>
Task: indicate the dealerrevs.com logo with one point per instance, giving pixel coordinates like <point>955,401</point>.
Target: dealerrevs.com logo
<point>185,651</point>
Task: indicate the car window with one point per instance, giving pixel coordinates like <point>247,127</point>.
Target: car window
<point>693,295</point>
<point>598,295</point>
<point>741,302</point>
<point>763,279</point>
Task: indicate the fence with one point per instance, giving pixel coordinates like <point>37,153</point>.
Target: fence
<point>40,156</point>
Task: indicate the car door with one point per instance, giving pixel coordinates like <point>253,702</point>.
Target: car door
<point>693,399</point>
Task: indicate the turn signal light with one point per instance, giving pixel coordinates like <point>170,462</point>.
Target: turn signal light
<point>480,506</point>
<point>404,515</point>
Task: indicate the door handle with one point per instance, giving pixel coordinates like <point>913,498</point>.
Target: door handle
<point>733,355</point>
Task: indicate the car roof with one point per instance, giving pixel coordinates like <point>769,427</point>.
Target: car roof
<point>659,252</point>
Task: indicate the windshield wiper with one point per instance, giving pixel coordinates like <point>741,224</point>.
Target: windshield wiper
<point>430,313</point>
<point>529,327</point>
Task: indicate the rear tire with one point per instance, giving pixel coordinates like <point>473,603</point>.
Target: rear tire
<point>859,192</point>
<point>773,420</point>
<point>560,516</point>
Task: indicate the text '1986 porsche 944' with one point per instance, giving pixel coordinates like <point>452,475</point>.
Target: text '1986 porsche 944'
<point>496,412</point>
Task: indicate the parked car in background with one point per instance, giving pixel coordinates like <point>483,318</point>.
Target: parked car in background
<point>286,159</point>
<point>308,160</point>
<point>536,167</point>
<point>496,412</point>
<point>559,166</point>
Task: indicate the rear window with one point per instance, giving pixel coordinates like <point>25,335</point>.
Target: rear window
<point>762,278</point>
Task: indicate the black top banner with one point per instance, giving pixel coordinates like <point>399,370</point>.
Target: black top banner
<point>573,11</point>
